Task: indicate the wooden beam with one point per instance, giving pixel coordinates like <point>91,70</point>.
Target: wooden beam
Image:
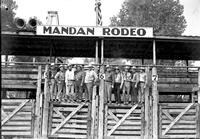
<point>93,112</point>
<point>45,106</point>
<point>143,122</point>
<point>14,112</point>
<point>122,120</point>
<point>37,105</point>
<point>101,105</point>
<point>168,115</point>
<point>147,107</point>
<point>177,118</point>
<point>113,116</point>
<point>198,121</point>
<point>57,110</point>
<point>67,118</point>
<point>198,93</point>
<point>155,105</point>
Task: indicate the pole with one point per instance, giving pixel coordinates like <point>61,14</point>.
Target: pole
<point>155,95</point>
<point>198,93</point>
<point>147,107</point>
<point>37,105</point>
<point>45,106</point>
<point>96,53</point>
<point>101,97</point>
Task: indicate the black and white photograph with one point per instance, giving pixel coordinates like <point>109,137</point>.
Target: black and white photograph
<point>100,69</point>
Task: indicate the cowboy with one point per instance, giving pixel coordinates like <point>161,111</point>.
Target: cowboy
<point>53,87</point>
<point>127,76</point>
<point>78,83</point>
<point>109,84</point>
<point>142,84</point>
<point>60,80</point>
<point>69,80</point>
<point>134,85</point>
<point>118,83</point>
<point>90,78</point>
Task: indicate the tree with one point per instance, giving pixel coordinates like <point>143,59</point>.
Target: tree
<point>7,15</point>
<point>165,16</point>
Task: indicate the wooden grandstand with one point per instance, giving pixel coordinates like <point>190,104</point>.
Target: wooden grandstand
<point>38,117</point>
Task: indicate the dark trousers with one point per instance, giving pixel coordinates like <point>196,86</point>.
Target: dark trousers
<point>117,92</point>
<point>89,91</point>
<point>134,93</point>
<point>78,90</point>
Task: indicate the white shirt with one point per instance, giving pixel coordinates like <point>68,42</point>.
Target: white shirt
<point>69,75</point>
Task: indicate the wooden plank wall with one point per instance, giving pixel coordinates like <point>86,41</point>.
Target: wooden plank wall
<point>185,127</point>
<point>176,80</point>
<point>75,127</point>
<point>130,128</point>
<point>18,77</point>
<point>21,122</point>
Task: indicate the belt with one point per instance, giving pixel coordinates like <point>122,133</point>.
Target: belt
<point>70,80</point>
<point>108,81</point>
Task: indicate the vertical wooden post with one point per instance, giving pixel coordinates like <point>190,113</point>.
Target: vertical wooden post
<point>160,120</point>
<point>102,51</point>
<point>198,106</point>
<point>89,121</point>
<point>155,95</point>
<point>146,108</point>
<point>101,99</point>
<point>198,121</point>
<point>6,60</point>
<point>45,107</point>
<point>198,93</point>
<point>143,122</point>
<point>93,112</point>
<point>37,121</point>
<point>96,53</point>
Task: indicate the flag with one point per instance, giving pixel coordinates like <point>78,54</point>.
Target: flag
<point>98,12</point>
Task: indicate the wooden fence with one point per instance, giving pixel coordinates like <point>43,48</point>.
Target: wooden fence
<point>17,118</point>
<point>179,120</point>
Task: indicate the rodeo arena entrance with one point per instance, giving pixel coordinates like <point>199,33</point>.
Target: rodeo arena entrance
<point>41,116</point>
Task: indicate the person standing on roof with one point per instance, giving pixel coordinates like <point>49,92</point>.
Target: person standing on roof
<point>90,78</point>
<point>60,80</point>
<point>142,84</point>
<point>127,76</point>
<point>118,84</point>
<point>109,84</point>
<point>69,81</point>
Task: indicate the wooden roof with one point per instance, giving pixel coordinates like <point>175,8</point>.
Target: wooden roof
<point>185,48</point>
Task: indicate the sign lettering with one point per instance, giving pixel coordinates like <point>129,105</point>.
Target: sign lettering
<point>95,31</point>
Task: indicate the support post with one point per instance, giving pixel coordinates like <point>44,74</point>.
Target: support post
<point>155,95</point>
<point>198,93</point>
<point>37,121</point>
<point>147,107</point>
<point>45,106</point>
<point>96,53</point>
<point>101,99</point>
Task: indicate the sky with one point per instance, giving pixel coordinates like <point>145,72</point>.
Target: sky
<point>81,12</point>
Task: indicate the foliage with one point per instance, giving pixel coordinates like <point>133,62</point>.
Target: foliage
<point>7,15</point>
<point>165,16</point>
